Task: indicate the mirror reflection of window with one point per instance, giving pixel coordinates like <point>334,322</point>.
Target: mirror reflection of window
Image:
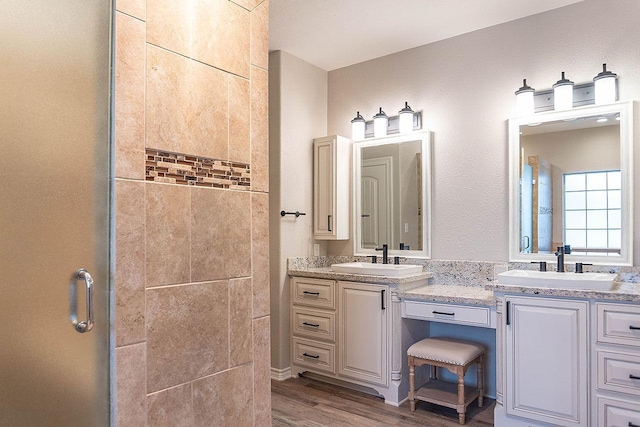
<point>558,154</point>
<point>593,214</point>
<point>570,175</point>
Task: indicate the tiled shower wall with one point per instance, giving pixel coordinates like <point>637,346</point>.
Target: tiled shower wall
<point>191,199</point>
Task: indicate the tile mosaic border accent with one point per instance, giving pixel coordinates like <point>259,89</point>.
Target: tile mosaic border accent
<point>186,169</point>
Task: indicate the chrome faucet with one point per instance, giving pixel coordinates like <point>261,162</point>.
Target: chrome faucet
<point>385,252</point>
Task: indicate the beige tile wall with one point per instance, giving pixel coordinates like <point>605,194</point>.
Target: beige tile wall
<point>192,264</point>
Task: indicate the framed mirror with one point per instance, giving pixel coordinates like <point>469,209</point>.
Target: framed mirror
<point>392,180</point>
<point>570,183</point>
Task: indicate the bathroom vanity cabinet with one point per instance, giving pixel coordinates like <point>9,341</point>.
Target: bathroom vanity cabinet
<point>363,332</point>
<point>616,364</point>
<point>351,331</point>
<point>331,173</point>
<point>546,359</point>
<point>341,329</point>
<point>567,362</point>
<point>313,325</point>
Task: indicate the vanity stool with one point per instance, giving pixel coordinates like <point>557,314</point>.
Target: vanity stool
<point>454,355</point>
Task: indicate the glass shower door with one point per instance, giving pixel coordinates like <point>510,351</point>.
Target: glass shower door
<point>54,212</point>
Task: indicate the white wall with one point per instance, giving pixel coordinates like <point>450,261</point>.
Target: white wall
<point>465,87</point>
<point>298,113</point>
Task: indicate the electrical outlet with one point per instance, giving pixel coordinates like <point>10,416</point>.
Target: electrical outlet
<point>316,249</point>
<point>406,227</point>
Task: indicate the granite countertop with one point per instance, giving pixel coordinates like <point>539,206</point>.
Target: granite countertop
<point>621,291</point>
<point>464,282</point>
<point>328,273</point>
<point>473,295</point>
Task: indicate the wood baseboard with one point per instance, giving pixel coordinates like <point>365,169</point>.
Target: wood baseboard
<point>280,374</point>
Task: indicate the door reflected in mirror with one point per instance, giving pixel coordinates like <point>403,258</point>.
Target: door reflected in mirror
<point>392,175</point>
<point>572,184</point>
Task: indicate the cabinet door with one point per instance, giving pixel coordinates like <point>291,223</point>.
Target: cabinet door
<point>546,360</point>
<point>324,187</point>
<point>363,332</point>
<point>331,188</point>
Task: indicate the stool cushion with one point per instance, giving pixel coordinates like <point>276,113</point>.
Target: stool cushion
<point>446,350</point>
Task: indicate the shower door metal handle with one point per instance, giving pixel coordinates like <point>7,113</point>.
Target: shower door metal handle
<point>85,325</point>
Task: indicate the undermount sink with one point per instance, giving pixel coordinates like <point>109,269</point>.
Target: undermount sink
<point>392,270</point>
<point>553,279</point>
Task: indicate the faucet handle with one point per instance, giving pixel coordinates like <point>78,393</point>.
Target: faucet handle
<point>567,251</point>
<point>579,266</point>
<point>374,259</point>
<point>543,265</point>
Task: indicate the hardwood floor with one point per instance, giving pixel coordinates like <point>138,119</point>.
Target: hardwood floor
<point>310,403</point>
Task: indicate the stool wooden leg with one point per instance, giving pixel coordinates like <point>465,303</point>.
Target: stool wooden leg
<point>461,408</point>
<point>412,384</point>
<point>434,372</point>
<point>480,380</point>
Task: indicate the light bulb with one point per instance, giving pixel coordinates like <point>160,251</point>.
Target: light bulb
<point>357,127</point>
<point>563,94</point>
<point>380,123</point>
<point>406,119</point>
<point>605,86</point>
<point>524,98</point>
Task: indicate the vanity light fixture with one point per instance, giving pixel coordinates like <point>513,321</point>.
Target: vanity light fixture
<point>563,94</point>
<point>605,86</point>
<point>380,123</point>
<point>357,127</point>
<point>406,119</point>
<point>524,98</point>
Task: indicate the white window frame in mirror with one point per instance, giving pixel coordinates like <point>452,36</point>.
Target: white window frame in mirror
<point>424,136</point>
<point>625,110</point>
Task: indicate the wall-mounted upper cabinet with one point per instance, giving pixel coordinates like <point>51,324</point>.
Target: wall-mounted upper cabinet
<point>331,162</point>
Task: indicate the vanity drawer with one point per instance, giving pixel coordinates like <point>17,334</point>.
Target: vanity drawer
<point>619,324</point>
<point>313,354</point>
<point>619,372</point>
<point>314,323</point>
<point>449,313</point>
<point>314,292</point>
<point>616,413</point>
